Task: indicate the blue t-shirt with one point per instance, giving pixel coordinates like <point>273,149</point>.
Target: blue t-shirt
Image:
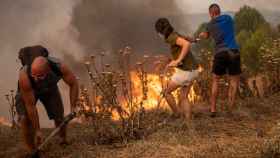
<point>221,29</point>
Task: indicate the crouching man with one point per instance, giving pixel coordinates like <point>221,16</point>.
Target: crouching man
<point>38,81</point>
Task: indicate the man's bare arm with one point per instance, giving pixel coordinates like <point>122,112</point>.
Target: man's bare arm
<point>190,39</point>
<point>185,45</point>
<point>28,97</point>
<point>70,79</point>
<point>204,35</point>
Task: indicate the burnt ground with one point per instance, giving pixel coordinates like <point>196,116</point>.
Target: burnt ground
<point>251,131</point>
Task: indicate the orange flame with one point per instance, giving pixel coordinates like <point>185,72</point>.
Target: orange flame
<point>155,85</point>
<point>155,90</point>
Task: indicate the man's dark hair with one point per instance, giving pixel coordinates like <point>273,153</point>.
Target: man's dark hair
<point>163,27</point>
<point>215,8</point>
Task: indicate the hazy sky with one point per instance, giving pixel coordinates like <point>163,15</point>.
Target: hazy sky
<point>198,6</point>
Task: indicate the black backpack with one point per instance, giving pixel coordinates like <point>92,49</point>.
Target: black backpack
<point>27,54</point>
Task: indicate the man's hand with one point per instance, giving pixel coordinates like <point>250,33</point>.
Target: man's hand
<point>190,39</point>
<point>203,35</point>
<point>173,63</point>
<point>38,138</point>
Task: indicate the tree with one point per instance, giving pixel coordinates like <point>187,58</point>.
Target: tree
<point>248,19</point>
<point>250,51</point>
<point>242,37</point>
<point>252,31</point>
<point>276,32</point>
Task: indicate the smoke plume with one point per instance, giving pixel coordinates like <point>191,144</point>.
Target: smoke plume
<point>112,24</point>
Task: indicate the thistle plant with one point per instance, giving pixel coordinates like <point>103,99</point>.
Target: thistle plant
<point>10,97</point>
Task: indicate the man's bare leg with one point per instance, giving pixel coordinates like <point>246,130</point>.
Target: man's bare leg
<point>28,134</point>
<point>260,85</point>
<point>171,86</point>
<point>62,132</point>
<point>185,106</point>
<point>234,84</point>
<point>214,92</point>
<point>250,83</point>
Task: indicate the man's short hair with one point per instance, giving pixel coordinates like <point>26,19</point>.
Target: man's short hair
<point>215,8</point>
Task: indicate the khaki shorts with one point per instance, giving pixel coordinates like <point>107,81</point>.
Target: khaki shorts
<point>184,78</point>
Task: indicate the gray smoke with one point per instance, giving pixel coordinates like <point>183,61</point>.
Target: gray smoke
<point>112,24</point>
<point>29,22</point>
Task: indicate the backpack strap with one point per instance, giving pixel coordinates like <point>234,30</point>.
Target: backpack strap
<point>55,66</point>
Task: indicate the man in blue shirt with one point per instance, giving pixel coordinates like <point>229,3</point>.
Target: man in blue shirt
<point>226,54</point>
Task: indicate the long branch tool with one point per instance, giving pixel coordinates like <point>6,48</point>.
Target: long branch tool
<point>66,120</point>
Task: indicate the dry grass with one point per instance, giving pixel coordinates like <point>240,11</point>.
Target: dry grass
<point>251,131</point>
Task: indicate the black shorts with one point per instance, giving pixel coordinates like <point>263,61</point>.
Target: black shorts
<point>52,103</point>
<point>227,62</point>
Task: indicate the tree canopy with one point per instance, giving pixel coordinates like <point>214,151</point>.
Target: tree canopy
<point>249,19</point>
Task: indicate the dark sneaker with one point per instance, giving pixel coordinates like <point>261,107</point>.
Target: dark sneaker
<point>64,143</point>
<point>230,113</point>
<point>175,116</point>
<point>213,114</point>
<point>36,154</point>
